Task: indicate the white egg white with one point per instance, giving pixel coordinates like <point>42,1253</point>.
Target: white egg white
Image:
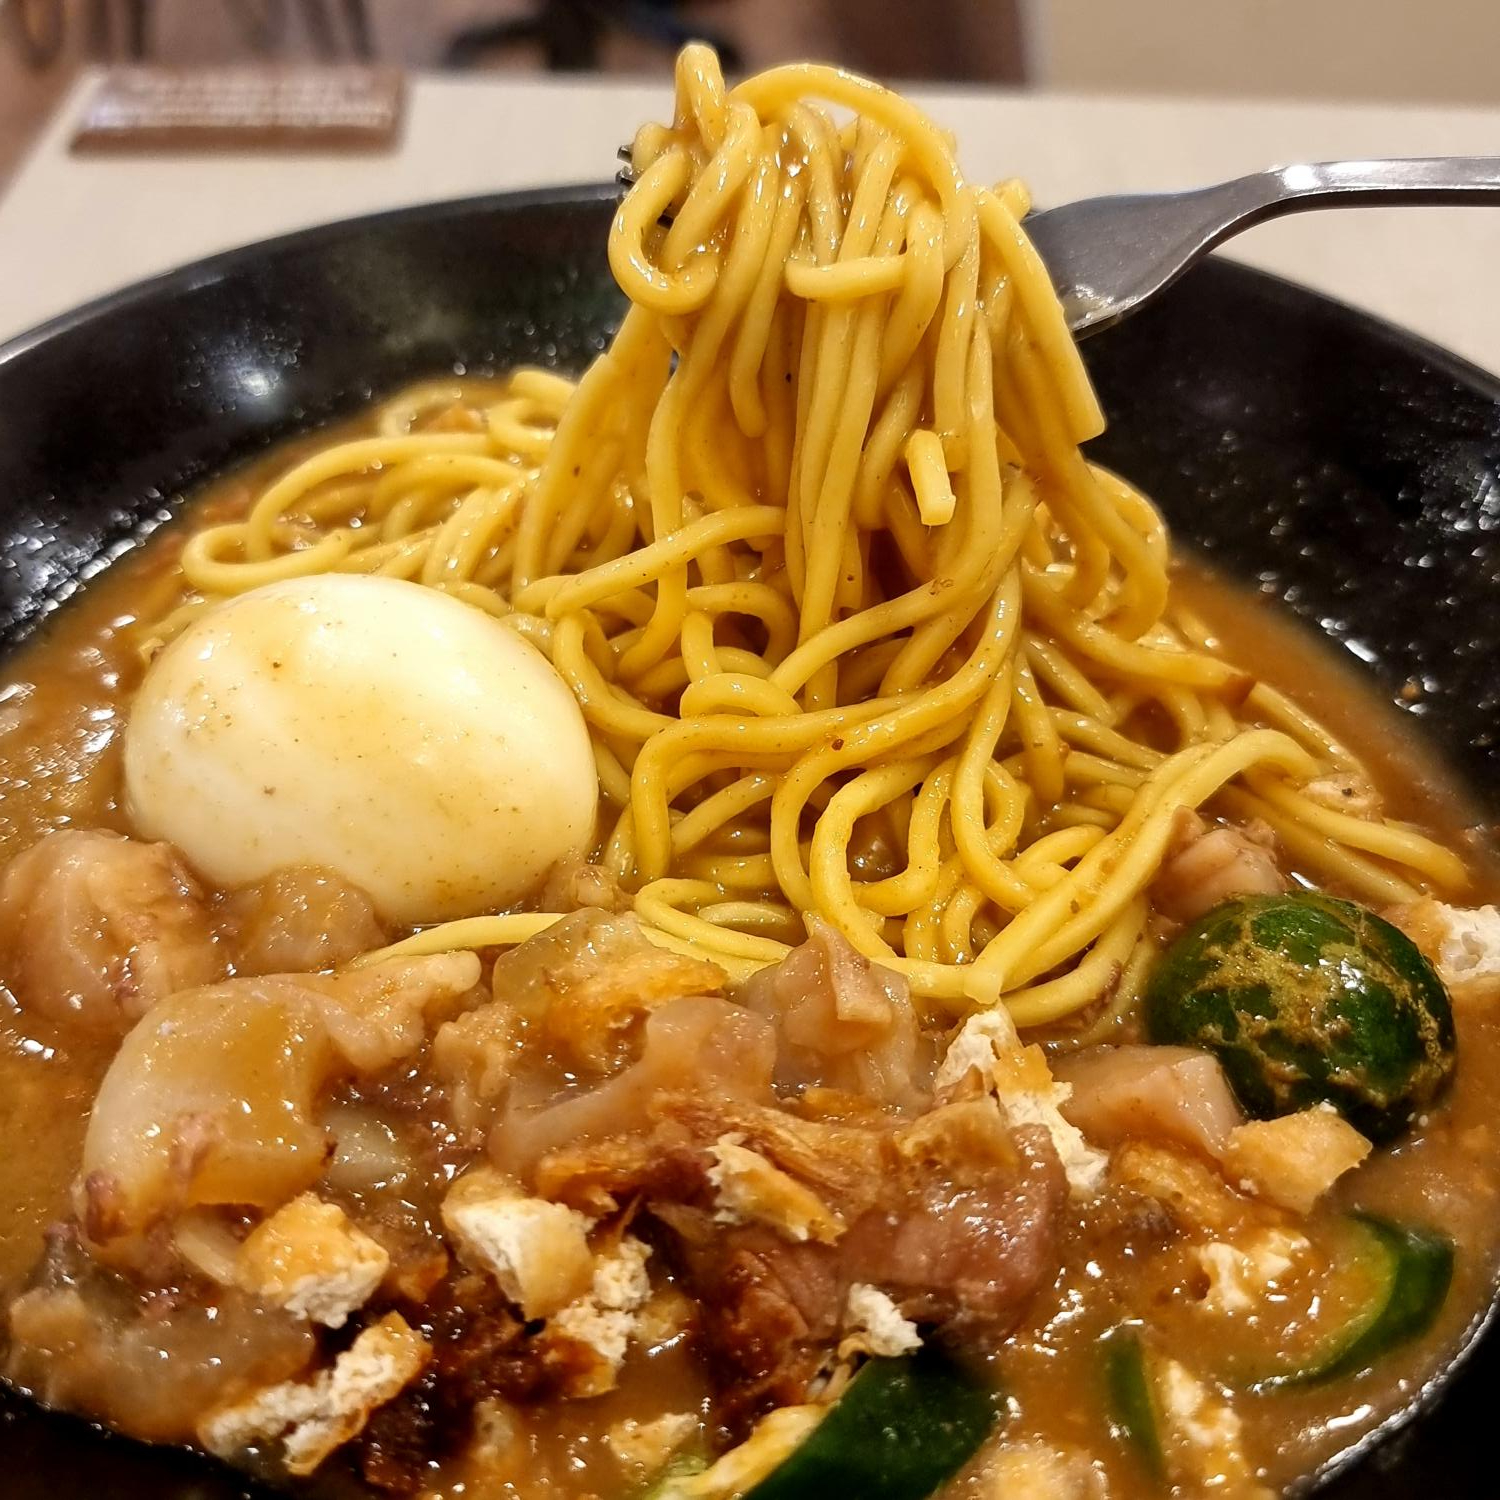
<point>387,731</point>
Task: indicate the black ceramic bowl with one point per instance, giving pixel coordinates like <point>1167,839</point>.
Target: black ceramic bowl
<point>1343,464</point>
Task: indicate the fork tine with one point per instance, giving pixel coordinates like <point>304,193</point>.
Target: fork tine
<point>625,176</point>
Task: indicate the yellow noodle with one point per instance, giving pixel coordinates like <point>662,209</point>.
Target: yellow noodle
<point>814,546</point>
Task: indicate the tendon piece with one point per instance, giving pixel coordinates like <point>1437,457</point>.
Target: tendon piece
<point>205,1242</point>
<point>86,1340</point>
<point>586,983</point>
<point>575,884</point>
<point>1294,1159</point>
<point>312,1419</point>
<point>1175,1094</point>
<point>213,1097</point>
<point>690,1044</point>
<point>370,1158</point>
<point>1206,865</point>
<point>299,920</point>
<point>538,1252</point>
<point>378,1015</point>
<point>473,1057</point>
<point>96,928</point>
<point>843,1022</point>
<point>308,1258</point>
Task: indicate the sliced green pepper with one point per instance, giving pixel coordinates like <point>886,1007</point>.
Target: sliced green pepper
<point>679,1466</point>
<point>901,1429</point>
<point>1131,1406</point>
<point>1413,1269</point>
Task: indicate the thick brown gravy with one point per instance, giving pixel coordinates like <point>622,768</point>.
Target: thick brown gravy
<point>64,696</point>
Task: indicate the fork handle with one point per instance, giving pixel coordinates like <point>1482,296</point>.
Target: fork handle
<point>1418,180</point>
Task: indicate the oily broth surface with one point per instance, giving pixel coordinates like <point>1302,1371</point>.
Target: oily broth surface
<point>63,702</point>
<point>1445,1174</point>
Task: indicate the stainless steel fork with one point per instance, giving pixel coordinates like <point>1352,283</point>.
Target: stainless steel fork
<point>1109,256</point>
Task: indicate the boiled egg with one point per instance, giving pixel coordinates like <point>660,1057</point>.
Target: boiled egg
<point>411,742</point>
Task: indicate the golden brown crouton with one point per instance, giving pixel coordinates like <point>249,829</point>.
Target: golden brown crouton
<point>1019,1078</point>
<point>599,1326</point>
<point>1194,1194</point>
<point>1241,1271</point>
<point>873,1324</point>
<point>308,1258</point>
<point>1463,943</point>
<point>537,1251</point>
<point>314,1418</point>
<point>1294,1160</point>
<point>749,1189</point>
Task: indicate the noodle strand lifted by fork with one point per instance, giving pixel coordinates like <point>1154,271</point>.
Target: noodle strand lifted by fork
<point>856,628</point>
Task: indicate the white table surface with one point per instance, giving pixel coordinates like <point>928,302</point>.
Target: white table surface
<point>72,227</point>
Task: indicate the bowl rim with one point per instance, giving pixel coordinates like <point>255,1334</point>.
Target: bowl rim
<point>207,270</point>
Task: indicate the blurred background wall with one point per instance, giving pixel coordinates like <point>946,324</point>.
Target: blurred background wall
<point>1437,51</point>
<point>1445,50</point>
<point>1441,51</point>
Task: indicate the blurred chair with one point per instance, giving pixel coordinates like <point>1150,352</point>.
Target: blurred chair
<point>571,33</point>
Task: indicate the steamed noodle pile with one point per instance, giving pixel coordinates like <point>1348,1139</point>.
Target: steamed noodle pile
<point>856,629</point>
